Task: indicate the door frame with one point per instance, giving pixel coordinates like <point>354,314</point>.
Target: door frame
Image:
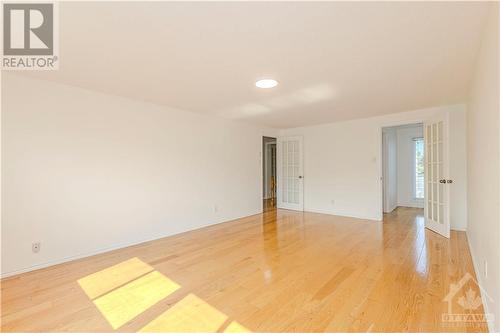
<point>384,177</point>
<point>414,121</point>
<point>262,166</point>
<point>265,161</point>
<point>381,156</point>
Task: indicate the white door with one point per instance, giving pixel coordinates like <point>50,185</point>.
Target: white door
<point>437,182</point>
<point>290,176</point>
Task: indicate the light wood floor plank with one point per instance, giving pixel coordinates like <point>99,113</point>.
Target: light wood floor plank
<point>280,271</point>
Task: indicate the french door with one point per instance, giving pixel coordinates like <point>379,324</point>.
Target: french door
<point>436,209</point>
<point>290,173</point>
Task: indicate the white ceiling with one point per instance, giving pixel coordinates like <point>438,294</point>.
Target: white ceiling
<point>334,60</point>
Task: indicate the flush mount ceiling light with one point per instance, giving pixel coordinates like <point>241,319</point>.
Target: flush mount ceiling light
<point>266,83</point>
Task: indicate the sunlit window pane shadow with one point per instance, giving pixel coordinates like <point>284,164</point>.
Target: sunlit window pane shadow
<point>104,281</point>
<point>126,290</point>
<point>234,327</point>
<point>127,302</point>
<point>191,314</point>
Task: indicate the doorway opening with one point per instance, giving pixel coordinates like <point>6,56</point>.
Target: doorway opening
<point>269,173</point>
<point>403,165</point>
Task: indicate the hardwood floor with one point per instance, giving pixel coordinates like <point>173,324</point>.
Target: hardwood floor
<point>269,204</point>
<point>280,271</point>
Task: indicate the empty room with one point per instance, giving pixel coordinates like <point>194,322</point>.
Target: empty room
<point>248,166</point>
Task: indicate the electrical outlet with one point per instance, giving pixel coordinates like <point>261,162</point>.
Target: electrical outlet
<point>35,247</point>
<point>485,268</point>
<point>216,209</point>
<point>332,202</point>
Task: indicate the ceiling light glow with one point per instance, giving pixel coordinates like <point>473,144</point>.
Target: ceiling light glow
<point>266,83</point>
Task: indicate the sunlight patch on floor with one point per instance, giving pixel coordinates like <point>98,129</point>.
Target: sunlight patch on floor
<point>124,291</point>
<point>127,302</point>
<point>191,314</point>
<point>104,281</point>
<point>234,327</point>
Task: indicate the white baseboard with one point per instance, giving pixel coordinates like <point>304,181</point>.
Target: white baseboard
<point>391,209</point>
<point>111,248</point>
<point>361,217</point>
<point>479,278</point>
<point>411,204</point>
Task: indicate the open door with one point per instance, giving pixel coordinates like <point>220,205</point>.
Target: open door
<point>436,209</point>
<point>290,190</point>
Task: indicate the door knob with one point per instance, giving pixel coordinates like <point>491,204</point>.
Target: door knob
<point>300,177</point>
<point>442,181</point>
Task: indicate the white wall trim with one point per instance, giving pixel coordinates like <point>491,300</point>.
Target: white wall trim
<point>392,123</point>
<point>360,217</point>
<point>392,208</point>
<point>343,161</point>
<point>145,240</point>
<point>265,163</point>
<point>72,219</point>
<point>411,204</point>
<point>479,279</point>
<point>112,248</point>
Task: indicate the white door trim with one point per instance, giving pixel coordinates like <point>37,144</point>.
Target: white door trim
<point>422,120</point>
<point>381,157</point>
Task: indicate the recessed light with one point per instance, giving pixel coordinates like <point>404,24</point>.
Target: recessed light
<point>266,83</point>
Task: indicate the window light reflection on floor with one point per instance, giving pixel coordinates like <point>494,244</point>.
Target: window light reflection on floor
<point>191,314</point>
<point>234,327</point>
<point>127,302</point>
<point>104,281</point>
<point>126,290</point>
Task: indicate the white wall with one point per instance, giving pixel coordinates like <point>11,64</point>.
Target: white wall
<point>406,165</point>
<point>390,165</point>
<point>458,171</point>
<point>85,172</point>
<point>342,163</point>
<point>483,162</point>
